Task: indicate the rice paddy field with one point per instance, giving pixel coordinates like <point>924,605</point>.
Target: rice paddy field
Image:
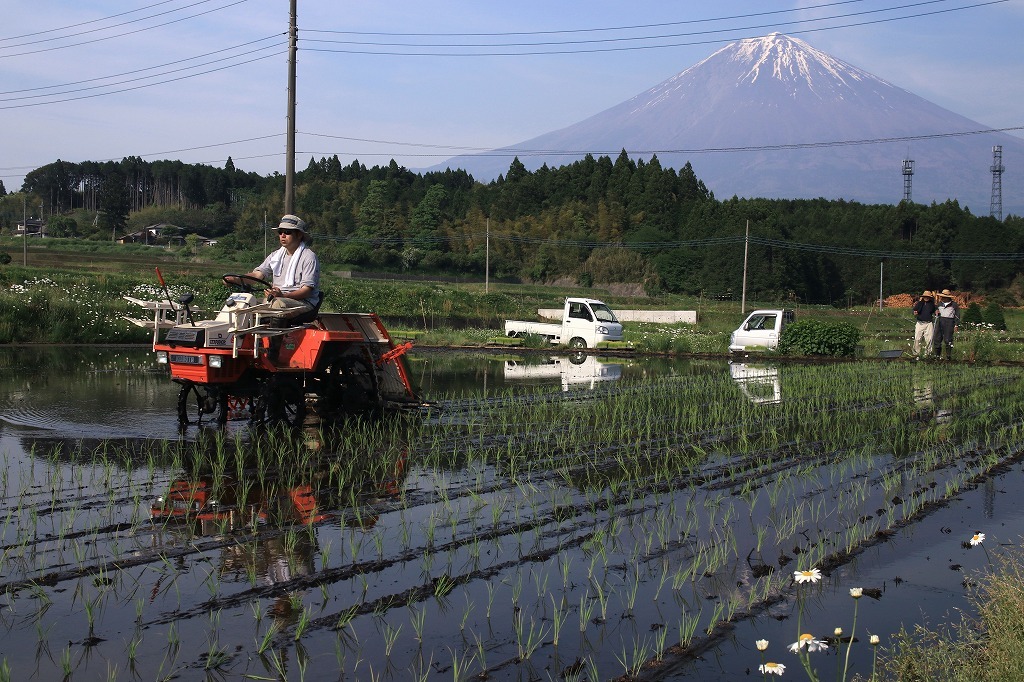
<point>542,519</point>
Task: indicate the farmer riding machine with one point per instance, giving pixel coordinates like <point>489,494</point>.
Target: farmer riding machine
<point>251,363</point>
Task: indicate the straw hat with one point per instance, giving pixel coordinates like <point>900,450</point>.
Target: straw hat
<point>945,293</point>
<point>927,294</point>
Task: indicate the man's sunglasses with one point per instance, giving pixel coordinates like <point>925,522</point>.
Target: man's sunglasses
<point>287,232</point>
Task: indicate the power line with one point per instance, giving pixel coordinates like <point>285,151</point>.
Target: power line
<point>509,153</point>
<point>148,68</point>
<point>590,41</point>
<point>593,50</point>
<point>95,21</point>
<point>91,21</point>
<point>586,30</point>
<point>117,35</point>
<point>104,86</point>
<point>513,153</point>
<point>140,87</point>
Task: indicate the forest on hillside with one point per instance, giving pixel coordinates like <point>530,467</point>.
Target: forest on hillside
<point>595,221</point>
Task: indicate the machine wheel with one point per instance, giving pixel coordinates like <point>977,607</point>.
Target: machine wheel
<point>577,342</point>
<point>202,402</point>
<point>348,384</point>
<point>281,401</point>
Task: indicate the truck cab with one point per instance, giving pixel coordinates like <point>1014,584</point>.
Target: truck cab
<point>587,322</point>
<point>761,330</point>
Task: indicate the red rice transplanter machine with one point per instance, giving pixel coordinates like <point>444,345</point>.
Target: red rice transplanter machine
<point>248,363</point>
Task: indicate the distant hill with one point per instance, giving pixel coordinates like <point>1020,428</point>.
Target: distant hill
<point>754,96</point>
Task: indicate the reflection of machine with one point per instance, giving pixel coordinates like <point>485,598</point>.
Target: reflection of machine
<point>578,369</point>
<point>231,505</point>
<point>759,383</point>
<point>250,363</point>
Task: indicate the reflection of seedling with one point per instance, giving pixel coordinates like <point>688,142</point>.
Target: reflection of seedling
<point>418,619</point>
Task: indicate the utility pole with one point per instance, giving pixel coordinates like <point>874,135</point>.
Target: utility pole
<point>289,167</point>
<point>881,273</point>
<point>487,258</point>
<point>24,231</point>
<point>743,295</point>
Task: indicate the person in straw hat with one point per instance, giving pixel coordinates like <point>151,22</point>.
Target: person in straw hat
<point>294,270</point>
<point>947,317</point>
<point>924,314</point>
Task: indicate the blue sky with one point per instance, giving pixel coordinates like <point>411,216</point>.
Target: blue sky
<point>965,55</point>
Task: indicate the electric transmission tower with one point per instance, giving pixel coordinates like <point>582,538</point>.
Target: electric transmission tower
<point>908,179</point>
<point>995,208</point>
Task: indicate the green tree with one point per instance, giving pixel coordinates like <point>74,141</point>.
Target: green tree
<point>972,315</point>
<point>62,226</point>
<point>114,204</point>
<point>993,315</point>
<point>56,180</point>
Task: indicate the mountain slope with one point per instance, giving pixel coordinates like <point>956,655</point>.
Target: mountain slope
<point>755,95</point>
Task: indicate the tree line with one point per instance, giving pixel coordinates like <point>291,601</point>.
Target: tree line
<point>595,221</point>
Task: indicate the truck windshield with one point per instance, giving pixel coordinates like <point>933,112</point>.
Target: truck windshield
<point>603,312</point>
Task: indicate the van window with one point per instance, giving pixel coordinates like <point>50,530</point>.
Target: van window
<point>762,322</point>
<point>580,311</point>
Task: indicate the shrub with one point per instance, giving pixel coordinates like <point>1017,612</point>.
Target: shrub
<point>5,258</point>
<point>972,315</point>
<point>978,345</point>
<point>993,315</point>
<point>815,337</point>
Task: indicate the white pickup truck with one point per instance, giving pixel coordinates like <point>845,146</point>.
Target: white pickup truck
<point>761,330</point>
<point>585,323</point>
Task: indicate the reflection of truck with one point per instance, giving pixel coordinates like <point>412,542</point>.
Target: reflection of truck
<point>585,323</point>
<point>761,330</point>
<point>577,370</point>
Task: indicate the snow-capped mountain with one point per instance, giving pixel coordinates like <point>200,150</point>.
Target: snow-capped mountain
<point>752,119</point>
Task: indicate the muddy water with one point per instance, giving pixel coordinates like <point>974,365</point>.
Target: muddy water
<point>92,580</point>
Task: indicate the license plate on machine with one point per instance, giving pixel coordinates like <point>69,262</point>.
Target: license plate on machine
<point>181,359</point>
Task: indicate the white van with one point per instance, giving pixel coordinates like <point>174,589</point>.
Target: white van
<point>761,330</point>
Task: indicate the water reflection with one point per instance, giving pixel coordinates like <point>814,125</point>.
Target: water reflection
<point>262,522</point>
<point>576,370</point>
<point>760,383</point>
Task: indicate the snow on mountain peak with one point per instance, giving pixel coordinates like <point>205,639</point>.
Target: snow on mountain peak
<point>791,61</point>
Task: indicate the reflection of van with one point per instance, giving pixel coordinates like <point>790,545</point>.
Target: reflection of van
<point>759,383</point>
<point>578,369</point>
<point>761,330</point>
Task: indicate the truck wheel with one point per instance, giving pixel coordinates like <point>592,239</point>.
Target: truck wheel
<point>577,342</point>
